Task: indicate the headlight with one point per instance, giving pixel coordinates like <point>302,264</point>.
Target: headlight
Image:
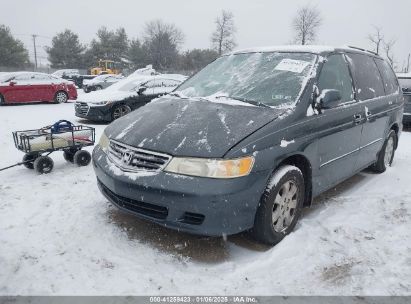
<point>100,103</point>
<point>104,142</point>
<point>213,168</point>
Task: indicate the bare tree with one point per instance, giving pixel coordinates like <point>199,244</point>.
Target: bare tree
<point>306,24</point>
<point>162,41</point>
<point>223,38</point>
<point>388,48</point>
<point>376,38</point>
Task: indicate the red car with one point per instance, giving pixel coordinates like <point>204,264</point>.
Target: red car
<point>26,87</point>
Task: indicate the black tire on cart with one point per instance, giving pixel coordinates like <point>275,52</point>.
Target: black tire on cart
<point>69,155</point>
<point>82,158</point>
<point>28,160</point>
<point>43,164</point>
<point>60,97</point>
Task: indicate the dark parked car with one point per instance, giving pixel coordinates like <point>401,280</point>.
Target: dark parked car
<point>405,83</point>
<point>248,141</point>
<point>125,96</point>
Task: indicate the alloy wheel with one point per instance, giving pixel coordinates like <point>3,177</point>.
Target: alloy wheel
<point>285,205</point>
<point>61,97</point>
<point>121,111</point>
<point>389,150</point>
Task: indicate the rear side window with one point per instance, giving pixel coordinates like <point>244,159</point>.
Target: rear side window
<point>367,76</point>
<point>388,76</point>
<point>336,76</point>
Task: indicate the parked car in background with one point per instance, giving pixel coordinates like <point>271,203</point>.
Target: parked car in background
<point>405,83</point>
<point>25,87</point>
<point>125,96</point>
<point>66,73</point>
<point>248,141</point>
<point>74,76</point>
<point>100,82</point>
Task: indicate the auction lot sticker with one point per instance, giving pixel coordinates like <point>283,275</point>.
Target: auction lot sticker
<point>291,65</point>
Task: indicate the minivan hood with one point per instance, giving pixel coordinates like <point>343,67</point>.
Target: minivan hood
<point>193,128</point>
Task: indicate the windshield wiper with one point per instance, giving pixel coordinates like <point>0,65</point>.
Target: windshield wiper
<point>253,102</point>
<point>177,94</point>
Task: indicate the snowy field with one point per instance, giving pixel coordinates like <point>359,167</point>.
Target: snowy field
<point>59,236</point>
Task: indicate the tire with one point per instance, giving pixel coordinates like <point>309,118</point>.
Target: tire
<point>386,155</point>
<point>82,158</point>
<point>29,158</point>
<point>61,97</point>
<point>43,164</point>
<point>280,206</point>
<point>2,101</point>
<point>69,155</point>
<point>120,111</point>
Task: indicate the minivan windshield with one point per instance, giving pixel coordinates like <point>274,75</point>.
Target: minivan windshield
<point>268,78</point>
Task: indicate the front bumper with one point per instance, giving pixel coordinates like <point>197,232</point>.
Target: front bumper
<point>102,113</point>
<point>204,206</point>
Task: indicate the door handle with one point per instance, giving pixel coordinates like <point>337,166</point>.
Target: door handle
<point>357,118</point>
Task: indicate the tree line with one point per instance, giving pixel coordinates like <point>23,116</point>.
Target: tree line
<point>160,45</point>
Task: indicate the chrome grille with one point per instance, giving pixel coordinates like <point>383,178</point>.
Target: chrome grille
<point>133,159</point>
<point>82,108</point>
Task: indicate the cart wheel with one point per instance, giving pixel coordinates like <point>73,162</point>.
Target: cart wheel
<point>29,158</point>
<point>43,164</point>
<point>69,155</point>
<point>82,158</point>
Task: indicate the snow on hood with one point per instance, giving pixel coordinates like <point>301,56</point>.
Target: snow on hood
<point>106,95</point>
<point>188,127</point>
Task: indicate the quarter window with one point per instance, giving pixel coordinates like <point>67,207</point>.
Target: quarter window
<point>335,75</point>
<point>367,76</point>
<point>388,76</point>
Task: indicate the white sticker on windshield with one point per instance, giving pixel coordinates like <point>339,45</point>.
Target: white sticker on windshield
<point>291,65</point>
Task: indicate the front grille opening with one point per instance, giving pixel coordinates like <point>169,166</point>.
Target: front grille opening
<point>82,108</point>
<point>193,218</point>
<point>151,210</point>
<point>135,159</point>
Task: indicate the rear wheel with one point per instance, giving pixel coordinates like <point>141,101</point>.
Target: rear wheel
<point>60,97</point>
<point>386,155</point>
<point>69,155</point>
<point>43,164</point>
<point>280,206</point>
<point>2,102</point>
<point>120,111</point>
<point>82,158</point>
<point>28,160</point>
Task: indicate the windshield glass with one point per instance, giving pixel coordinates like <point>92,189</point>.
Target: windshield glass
<point>274,79</point>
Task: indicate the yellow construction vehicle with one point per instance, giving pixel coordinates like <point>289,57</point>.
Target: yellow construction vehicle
<point>105,67</point>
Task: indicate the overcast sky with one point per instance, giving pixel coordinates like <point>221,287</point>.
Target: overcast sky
<point>259,22</point>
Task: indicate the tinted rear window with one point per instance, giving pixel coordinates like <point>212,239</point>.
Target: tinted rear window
<point>367,76</point>
<point>388,76</point>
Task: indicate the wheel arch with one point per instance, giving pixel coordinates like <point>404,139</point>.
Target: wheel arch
<point>396,129</point>
<point>301,162</point>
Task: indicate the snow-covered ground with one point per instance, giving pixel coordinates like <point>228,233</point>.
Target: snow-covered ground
<point>59,236</point>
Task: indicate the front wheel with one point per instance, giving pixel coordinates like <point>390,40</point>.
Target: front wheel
<point>386,155</point>
<point>2,102</point>
<point>28,160</point>
<point>280,205</point>
<point>43,164</point>
<point>120,111</point>
<point>82,158</point>
<point>61,97</point>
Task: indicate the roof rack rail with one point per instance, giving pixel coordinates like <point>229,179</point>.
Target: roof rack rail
<point>364,50</point>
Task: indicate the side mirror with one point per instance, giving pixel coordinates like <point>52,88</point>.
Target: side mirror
<point>141,90</point>
<point>12,83</point>
<point>328,99</point>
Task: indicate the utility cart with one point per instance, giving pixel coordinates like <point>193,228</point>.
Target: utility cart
<point>64,136</point>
